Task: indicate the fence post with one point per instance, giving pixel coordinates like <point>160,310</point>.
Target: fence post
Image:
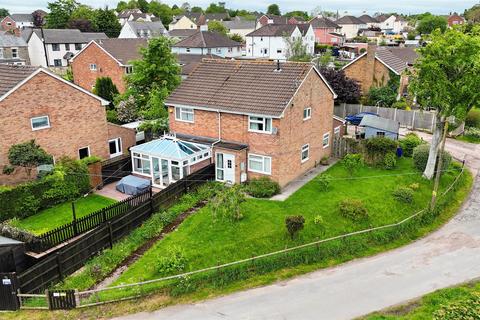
<point>395,115</point>
<point>104,215</point>
<point>59,266</point>
<point>361,107</point>
<point>344,110</point>
<point>433,122</point>
<point>48,300</point>
<point>110,233</point>
<point>74,221</point>
<point>77,299</point>
<point>413,120</point>
<point>378,109</point>
<point>151,200</point>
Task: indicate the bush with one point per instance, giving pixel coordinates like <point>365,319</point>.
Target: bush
<point>90,160</point>
<point>226,204</point>
<point>263,187</point>
<point>400,104</point>
<point>410,142</point>
<point>473,118</point>
<point>323,181</point>
<point>353,209</point>
<point>376,149</point>
<point>390,161</point>
<point>352,162</point>
<point>320,223</point>
<point>464,309</point>
<point>472,132</point>
<point>8,169</point>
<point>403,194</point>
<point>420,157</point>
<point>173,262</point>
<point>414,186</point>
<point>294,224</point>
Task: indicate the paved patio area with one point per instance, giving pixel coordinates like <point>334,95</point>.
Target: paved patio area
<point>111,192</point>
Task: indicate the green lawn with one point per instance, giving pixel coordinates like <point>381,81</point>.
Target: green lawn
<point>426,307</point>
<point>58,215</point>
<point>469,139</point>
<point>206,242</point>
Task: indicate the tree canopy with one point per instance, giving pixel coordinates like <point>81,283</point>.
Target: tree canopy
<point>298,13</point>
<point>473,14</point>
<point>215,8</point>
<point>430,23</point>
<point>28,155</point>
<point>217,26</point>
<point>274,9</point>
<point>347,90</point>
<point>60,13</point>
<point>106,21</point>
<point>105,88</point>
<point>4,12</point>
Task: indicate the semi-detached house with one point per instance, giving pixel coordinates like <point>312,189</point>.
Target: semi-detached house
<point>251,118</point>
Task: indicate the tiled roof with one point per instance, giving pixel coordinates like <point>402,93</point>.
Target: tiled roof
<point>190,15</point>
<point>68,35</point>
<point>273,30</point>
<point>22,17</point>
<point>207,39</point>
<point>349,20</point>
<point>277,19</point>
<point>190,61</point>
<point>367,19</point>
<point>11,75</point>
<point>182,33</point>
<point>156,27</point>
<point>239,24</point>
<point>382,17</point>
<point>303,27</point>
<point>246,87</point>
<point>126,13</point>
<point>10,40</point>
<point>124,50</point>
<point>321,22</point>
<point>216,16</point>
<point>89,36</point>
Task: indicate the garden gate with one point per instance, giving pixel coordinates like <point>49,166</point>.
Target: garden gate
<point>8,292</point>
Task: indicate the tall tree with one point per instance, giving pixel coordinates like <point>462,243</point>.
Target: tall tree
<point>162,11</point>
<point>297,50</point>
<point>4,12</point>
<point>143,5</point>
<point>106,21</point>
<point>185,6</point>
<point>215,8</point>
<point>28,155</point>
<point>473,14</point>
<point>217,26</point>
<point>446,78</point>
<point>60,13</point>
<point>105,88</point>
<point>154,77</point>
<point>429,23</point>
<point>298,13</point>
<point>82,18</point>
<point>196,9</point>
<point>273,9</point>
<point>347,90</point>
<point>38,19</point>
<point>83,25</point>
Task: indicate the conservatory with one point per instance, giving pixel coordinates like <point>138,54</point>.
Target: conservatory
<point>167,159</point>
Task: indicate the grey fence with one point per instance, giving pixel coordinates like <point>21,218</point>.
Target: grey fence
<point>415,119</point>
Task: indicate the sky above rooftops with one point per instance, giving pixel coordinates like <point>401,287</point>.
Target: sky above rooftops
<point>353,7</point>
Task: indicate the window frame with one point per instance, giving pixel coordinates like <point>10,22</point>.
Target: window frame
<point>14,52</point>
<point>326,135</point>
<point>305,148</point>
<point>309,113</point>
<point>67,46</point>
<point>143,158</point>
<point>86,147</point>
<point>128,69</point>
<point>94,65</point>
<point>55,47</point>
<point>336,131</point>
<point>78,46</point>
<point>118,146</point>
<point>250,121</point>
<point>264,157</point>
<point>41,128</point>
<point>182,110</point>
<point>55,64</point>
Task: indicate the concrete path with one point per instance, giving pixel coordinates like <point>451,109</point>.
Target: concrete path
<point>445,258</point>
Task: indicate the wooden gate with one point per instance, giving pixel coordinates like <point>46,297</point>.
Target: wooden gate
<point>61,299</point>
<point>8,292</point>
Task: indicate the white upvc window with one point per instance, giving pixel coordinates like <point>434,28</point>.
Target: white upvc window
<point>141,163</point>
<point>39,123</point>
<point>260,124</point>
<point>259,164</point>
<point>128,69</point>
<point>93,67</point>
<point>336,131</point>
<point>184,114</point>
<point>326,140</point>
<point>115,147</point>
<point>307,113</point>
<point>84,152</point>
<point>305,154</point>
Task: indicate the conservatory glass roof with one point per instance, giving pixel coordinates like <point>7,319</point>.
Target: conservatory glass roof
<point>171,148</point>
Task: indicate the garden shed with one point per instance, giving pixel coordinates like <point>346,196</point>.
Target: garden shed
<point>373,126</point>
<point>12,255</point>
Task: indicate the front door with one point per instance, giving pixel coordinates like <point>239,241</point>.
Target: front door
<point>225,165</point>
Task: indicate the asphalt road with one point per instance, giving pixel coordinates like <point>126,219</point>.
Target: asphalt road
<point>444,258</point>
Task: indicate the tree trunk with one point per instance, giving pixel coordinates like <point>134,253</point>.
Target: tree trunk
<point>434,146</point>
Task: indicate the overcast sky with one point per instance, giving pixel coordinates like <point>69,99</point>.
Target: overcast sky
<point>354,7</point>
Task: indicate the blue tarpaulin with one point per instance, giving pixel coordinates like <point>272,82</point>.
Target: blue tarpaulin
<point>133,185</point>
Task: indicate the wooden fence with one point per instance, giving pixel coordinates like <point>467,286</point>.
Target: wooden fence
<point>116,168</point>
<point>116,225</point>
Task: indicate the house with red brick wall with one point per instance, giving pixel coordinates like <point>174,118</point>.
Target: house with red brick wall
<point>455,19</point>
<point>327,32</point>
<point>375,67</point>
<point>251,118</point>
<point>106,58</point>
<point>63,118</point>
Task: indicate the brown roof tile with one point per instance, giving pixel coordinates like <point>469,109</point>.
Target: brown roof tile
<point>349,20</point>
<point>207,39</point>
<point>321,23</point>
<point>124,50</point>
<point>246,87</point>
<point>273,30</point>
<point>11,75</point>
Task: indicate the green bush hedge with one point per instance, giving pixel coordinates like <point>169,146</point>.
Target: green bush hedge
<point>68,180</point>
<point>465,309</point>
<point>420,157</point>
<point>263,187</point>
<point>473,118</point>
<point>353,209</point>
<point>403,194</point>
<point>376,148</point>
<point>410,142</point>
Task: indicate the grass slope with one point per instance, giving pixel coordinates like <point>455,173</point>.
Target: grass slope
<point>61,214</point>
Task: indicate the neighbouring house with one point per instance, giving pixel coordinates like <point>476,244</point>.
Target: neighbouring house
<point>17,21</point>
<point>208,42</point>
<point>240,26</point>
<point>251,118</point>
<point>392,24</point>
<point>454,19</point>
<point>326,31</point>
<point>13,49</point>
<point>185,21</point>
<point>180,34</point>
<point>189,62</point>
<point>63,118</point>
<point>204,19</point>
<point>374,67</point>
<point>142,29</point>
<point>372,126</point>
<point>272,40</point>
<point>351,26</point>
<point>339,126</point>
<point>106,58</point>
<point>369,21</point>
<point>134,15</point>
<point>270,19</point>
<point>54,47</point>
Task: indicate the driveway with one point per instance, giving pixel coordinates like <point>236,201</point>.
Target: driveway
<point>444,258</point>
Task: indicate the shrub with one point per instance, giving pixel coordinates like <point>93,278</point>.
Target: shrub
<point>464,309</point>
<point>376,149</point>
<point>263,187</point>
<point>353,209</point>
<point>414,186</point>
<point>390,161</point>
<point>400,104</point>
<point>324,161</point>
<point>410,142</point>
<point>420,157</point>
<point>472,132</point>
<point>173,262</point>
<point>90,160</point>
<point>403,194</point>
<point>294,224</point>
<point>320,223</point>
<point>352,162</point>
<point>28,155</point>
<point>473,118</point>
<point>8,169</point>
<point>226,204</point>
<point>323,181</point>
